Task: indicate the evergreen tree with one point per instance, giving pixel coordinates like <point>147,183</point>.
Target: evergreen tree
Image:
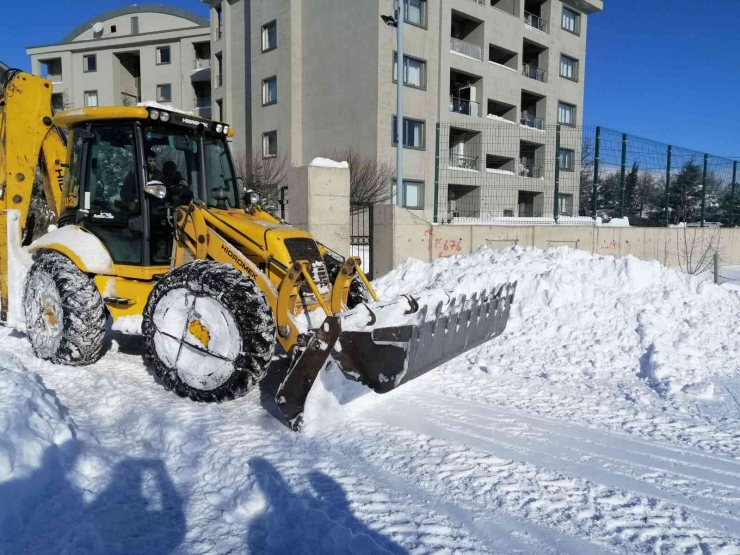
<point>685,194</point>
<point>609,196</point>
<point>632,197</point>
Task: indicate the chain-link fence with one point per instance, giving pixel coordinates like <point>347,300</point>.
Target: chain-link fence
<point>525,173</point>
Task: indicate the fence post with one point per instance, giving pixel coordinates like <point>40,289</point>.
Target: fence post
<point>436,178</point>
<point>732,194</point>
<point>704,188</point>
<point>556,202</point>
<point>623,176</point>
<point>668,184</point>
<point>597,154</point>
<point>370,272</point>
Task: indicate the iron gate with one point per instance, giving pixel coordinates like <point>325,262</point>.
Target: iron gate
<point>361,235</point>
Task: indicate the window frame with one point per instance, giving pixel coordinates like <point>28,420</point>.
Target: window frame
<point>576,67</point>
<point>414,120</point>
<point>574,111</point>
<point>86,63</point>
<point>113,29</point>
<point>84,98</point>
<point>135,25</point>
<point>418,182</point>
<point>424,15</point>
<point>158,57</point>
<point>394,71</point>
<point>265,137</point>
<point>566,197</point>
<point>572,155</point>
<point>159,97</point>
<point>264,90</point>
<point>263,36</point>
<point>577,18</point>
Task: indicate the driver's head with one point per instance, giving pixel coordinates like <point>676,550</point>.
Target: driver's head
<point>151,159</point>
<point>169,168</point>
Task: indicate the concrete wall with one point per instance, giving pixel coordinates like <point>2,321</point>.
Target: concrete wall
<point>319,204</point>
<point>398,235</point>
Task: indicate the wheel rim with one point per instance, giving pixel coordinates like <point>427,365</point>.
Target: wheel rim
<point>46,316</point>
<point>197,337</point>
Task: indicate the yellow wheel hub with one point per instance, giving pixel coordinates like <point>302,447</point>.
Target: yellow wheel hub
<point>49,316</point>
<point>200,332</point>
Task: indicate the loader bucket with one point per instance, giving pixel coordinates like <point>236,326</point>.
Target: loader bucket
<point>385,358</point>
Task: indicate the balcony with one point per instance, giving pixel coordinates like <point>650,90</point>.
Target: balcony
<point>219,80</point>
<point>464,107</point>
<point>201,63</point>
<point>535,22</point>
<point>532,121</point>
<point>218,32</point>
<point>203,107</point>
<point>534,72</point>
<point>466,49</point>
<point>54,77</point>
<point>463,161</point>
<point>481,2</point>
<point>530,170</point>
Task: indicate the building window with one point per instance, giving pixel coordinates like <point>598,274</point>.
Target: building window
<point>571,21</point>
<point>566,113</point>
<point>566,159</point>
<point>164,93</point>
<point>135,25</point>
<point>219,81</point>
<point>219,22</point>
<point>269,36</point>
<point>91,98</point>
<point>568,67</point>
<point>219,110</point>
<point>416,12</point>
<point>413,133</point>
<point>414,72</point>
<point>269,91</point>
<point>163,55</point>
<point>413,194</point>
<point>89,63</point>
<point>269,144</point>
<point>112,28</point>
<point>565,205</point>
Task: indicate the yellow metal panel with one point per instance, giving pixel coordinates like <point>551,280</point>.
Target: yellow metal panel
<point>135,294</point>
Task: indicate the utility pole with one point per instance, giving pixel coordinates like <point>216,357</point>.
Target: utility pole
<point>397,21</point>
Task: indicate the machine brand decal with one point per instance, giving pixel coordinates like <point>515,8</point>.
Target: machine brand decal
<point>103,216</point>
<point>60,178</point>
<point>239,262</point>
<point>191,121</point>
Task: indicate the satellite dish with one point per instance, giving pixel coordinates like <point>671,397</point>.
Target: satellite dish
<point>97,28</point>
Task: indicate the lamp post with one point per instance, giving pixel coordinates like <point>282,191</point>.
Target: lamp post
<point>396,20</point>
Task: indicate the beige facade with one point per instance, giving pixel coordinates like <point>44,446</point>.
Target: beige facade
<point>129,55</point>
<point>331,71</point>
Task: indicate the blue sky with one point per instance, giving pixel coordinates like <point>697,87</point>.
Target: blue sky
<point>663,69</point>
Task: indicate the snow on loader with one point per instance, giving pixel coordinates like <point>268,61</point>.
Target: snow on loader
<point>155,229</point>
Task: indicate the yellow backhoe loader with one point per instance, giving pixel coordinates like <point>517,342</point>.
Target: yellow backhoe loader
<point>155,230</point>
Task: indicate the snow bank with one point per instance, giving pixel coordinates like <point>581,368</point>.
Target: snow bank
<point>617,222</point>
<point>662,315</point>
<point>30,420</point>
<point>328,163</point>
<point>166,107</point>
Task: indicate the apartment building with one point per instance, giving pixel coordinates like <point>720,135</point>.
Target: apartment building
<point>129,55</point>
<point>312,76</point>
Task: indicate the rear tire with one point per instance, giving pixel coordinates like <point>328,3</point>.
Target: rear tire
<point>208,331</point>
<point>65,314</point>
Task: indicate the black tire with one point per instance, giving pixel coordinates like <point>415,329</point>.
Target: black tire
<point>58,292</point>
<point>358,293</point>
<point>244,308</point>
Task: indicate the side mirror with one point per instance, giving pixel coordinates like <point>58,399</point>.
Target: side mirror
<point>156,189</point>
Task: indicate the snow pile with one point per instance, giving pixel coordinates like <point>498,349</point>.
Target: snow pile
<point>30,421</point>
<point>615,222</point>
<point>671,323</point>
<point>328,163</point>
<point>166,107</point>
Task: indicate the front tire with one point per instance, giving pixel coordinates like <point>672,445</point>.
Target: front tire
<point>65,314</point>
<point>209,331</point>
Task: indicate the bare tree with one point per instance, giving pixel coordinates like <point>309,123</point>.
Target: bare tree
<point>263,175</point>
<point>370,179</point>
<point>696,248</point>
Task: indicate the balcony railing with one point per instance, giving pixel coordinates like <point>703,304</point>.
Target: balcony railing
<point>465,107</point>
<point>218,32</point>
<point>463,161</point>
<point>534,72</point>
<point>200,63</point>
<point>535,21</point>
<point>203,102</point>
<point>54,77</point>
<point>529,169</point>
<point>531,121</point>
<point>466,49</point>
<point>481,2</point>
<point>219,80</point>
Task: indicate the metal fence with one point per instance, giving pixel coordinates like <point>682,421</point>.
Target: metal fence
<point>521,171</point>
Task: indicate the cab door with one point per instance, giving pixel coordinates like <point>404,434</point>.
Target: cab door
<point>111,203</point>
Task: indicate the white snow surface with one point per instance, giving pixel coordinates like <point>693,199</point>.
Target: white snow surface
<point>166,107</point>
<point>319,162</point>
<point>604,420</point>
<point>84,244</point>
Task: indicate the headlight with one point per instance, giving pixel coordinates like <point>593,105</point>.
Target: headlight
<point>154,114</point>
<point>254,198</point>
<point>165,116</point>
<point>219,128</point>
<point>226,129</point>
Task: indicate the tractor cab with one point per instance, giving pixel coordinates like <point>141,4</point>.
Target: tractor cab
<point>127,164</point>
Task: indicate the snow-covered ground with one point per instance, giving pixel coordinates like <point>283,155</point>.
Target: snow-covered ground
<point>606,419</point>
